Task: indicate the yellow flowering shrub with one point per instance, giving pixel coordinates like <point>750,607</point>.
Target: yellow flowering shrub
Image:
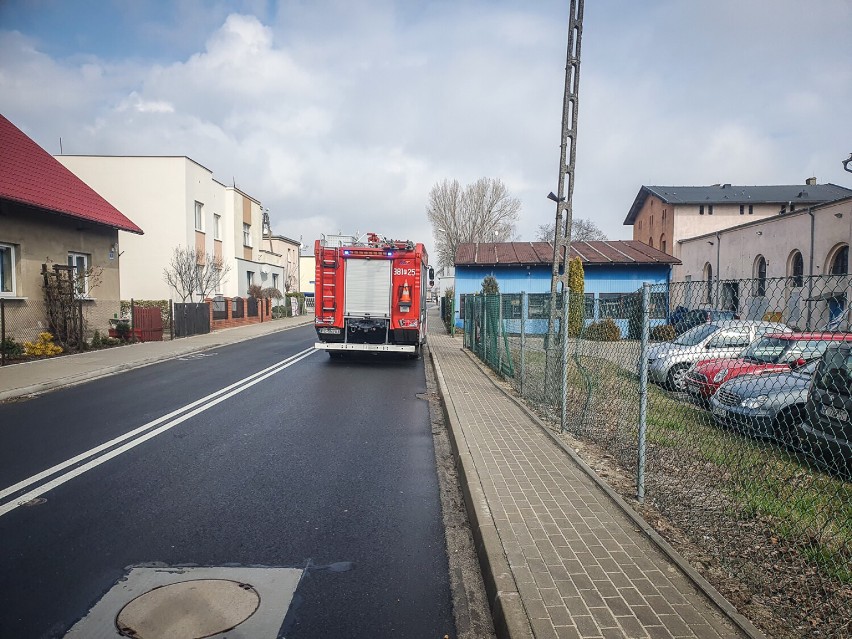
<point>43,347</point>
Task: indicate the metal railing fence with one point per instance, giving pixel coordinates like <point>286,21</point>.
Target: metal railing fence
<point>731,420</point>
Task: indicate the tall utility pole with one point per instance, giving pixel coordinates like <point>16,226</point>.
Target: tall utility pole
<point>565,193</point>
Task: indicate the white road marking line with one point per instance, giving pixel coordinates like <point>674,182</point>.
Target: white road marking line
<point>209,401</point>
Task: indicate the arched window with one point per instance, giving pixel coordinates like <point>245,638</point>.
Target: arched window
<point>651,242</point>
<point>663,242</point>
<point>760,276</point>
<point>839,263</point>
<point>796,269</point>
<point>708,277</point>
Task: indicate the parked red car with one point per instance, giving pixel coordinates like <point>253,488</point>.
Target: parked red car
<point>770,354</point>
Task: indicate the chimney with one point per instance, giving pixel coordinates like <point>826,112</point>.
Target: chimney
<point>811,181</point>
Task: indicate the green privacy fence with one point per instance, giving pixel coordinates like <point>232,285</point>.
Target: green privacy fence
<point>485,332</point>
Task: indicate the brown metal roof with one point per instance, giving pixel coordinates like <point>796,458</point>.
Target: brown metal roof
<point>540,253</point>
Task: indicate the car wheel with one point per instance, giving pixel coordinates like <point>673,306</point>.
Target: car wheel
<point>676,379</point>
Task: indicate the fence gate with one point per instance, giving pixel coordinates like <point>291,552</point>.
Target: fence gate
<point>148,323</point>
<point>191,319</point>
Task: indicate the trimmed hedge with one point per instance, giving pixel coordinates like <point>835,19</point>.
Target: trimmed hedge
<point>605,330</point>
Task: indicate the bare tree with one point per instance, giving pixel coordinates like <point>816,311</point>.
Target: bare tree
<point>581,231</point>
<point>480,212</point>
<point>192,273</point>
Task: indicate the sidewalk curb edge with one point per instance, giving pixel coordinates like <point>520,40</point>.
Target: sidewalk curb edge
<point>507,611</point>
<point>74,380</point>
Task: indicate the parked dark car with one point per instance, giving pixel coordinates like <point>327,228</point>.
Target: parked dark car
<point>827,428</point>
<point>682,319</point>
<point>769,405</point>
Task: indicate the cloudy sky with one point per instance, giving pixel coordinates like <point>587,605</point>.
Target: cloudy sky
<point>342,114</point>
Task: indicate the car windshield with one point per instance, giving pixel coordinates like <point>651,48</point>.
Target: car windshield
<point>835,371</point>
<point>767,350</point>
<point>696,335</point>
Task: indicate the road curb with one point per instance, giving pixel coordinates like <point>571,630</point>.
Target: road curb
<point>507,611</point>
<point>81,378</point>
<point>709,591</point>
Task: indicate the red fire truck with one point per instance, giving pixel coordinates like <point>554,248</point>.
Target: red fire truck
<point>370,296</point>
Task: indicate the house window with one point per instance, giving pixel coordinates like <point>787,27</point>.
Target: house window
<point>663,243</point>
<point>664,215</point>
<point>217,227</point>
<point>247,235</point>
<point>7,270</point>
<point>275,281</point>
<point>652,222</point>
<point>797,269</point>
<point>840,263</point>
<point>512,306</point>
<point>701,210</point>
<point>651,242</point>
<point>538,305</point>
<point>218,283</point>
<point>613,305</point>
<point>751,209</point>
<point>199,216</point>
<point>79,263</point>
<point>249,280</point>
<point>590,305</point>
<point>760,276</point>
<point>710,210</point>
<point>742,209</point>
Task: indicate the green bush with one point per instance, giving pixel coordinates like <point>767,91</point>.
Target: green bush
<point>11,349</point>
<point>605,330</point>
<point>663,333</point>
<point>449,295</point>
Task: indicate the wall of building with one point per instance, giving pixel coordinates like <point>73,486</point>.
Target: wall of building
<point>735,253</point>
<point>600,280</point>
<point>307,273</point>
<point>685,220</point>
<point>40,238</point>
<point>155,193</point>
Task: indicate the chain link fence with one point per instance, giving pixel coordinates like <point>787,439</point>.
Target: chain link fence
<point>727,404</point>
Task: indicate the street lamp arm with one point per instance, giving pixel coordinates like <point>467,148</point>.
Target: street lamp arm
<point>846,163</point>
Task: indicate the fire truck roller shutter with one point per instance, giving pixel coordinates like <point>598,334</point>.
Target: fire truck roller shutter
<point>368,288</point>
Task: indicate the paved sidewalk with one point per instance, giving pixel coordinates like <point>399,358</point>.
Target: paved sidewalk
<point>560,557</point>
<point>38,376</point>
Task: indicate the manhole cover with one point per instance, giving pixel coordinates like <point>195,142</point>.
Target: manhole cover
<point>188,610</point>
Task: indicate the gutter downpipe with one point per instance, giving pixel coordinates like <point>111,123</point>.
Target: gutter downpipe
<point>718,279</point>
<point>811,271</point>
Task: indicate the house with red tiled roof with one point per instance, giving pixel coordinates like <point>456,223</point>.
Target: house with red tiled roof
<point>614,271</point>
<point>48,216</point>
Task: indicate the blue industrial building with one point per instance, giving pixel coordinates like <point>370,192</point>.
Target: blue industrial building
<point>612,270</point>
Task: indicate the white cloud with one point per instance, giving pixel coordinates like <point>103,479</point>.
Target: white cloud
<point>341,115</point>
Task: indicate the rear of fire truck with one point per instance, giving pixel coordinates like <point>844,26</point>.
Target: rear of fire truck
<point>371,296</point>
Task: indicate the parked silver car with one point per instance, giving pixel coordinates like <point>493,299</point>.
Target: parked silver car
<point>765,405</point>
<point>668,362</point>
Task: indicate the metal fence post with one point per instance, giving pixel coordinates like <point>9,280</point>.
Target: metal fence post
<point>523,338</point>
<point>563,395</point>
<point>453,315</point>
<point>132,320</point>
<point>499,332</point>
<point>80,326</point>
<point>2,332</point>
<point>643,393</point>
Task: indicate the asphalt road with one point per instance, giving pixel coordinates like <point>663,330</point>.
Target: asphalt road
<point>320,465</point>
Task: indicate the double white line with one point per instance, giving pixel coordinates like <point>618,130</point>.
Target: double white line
<point>141,434</point>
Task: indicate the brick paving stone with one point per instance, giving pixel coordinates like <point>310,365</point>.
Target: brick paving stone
<point>581,567</point>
